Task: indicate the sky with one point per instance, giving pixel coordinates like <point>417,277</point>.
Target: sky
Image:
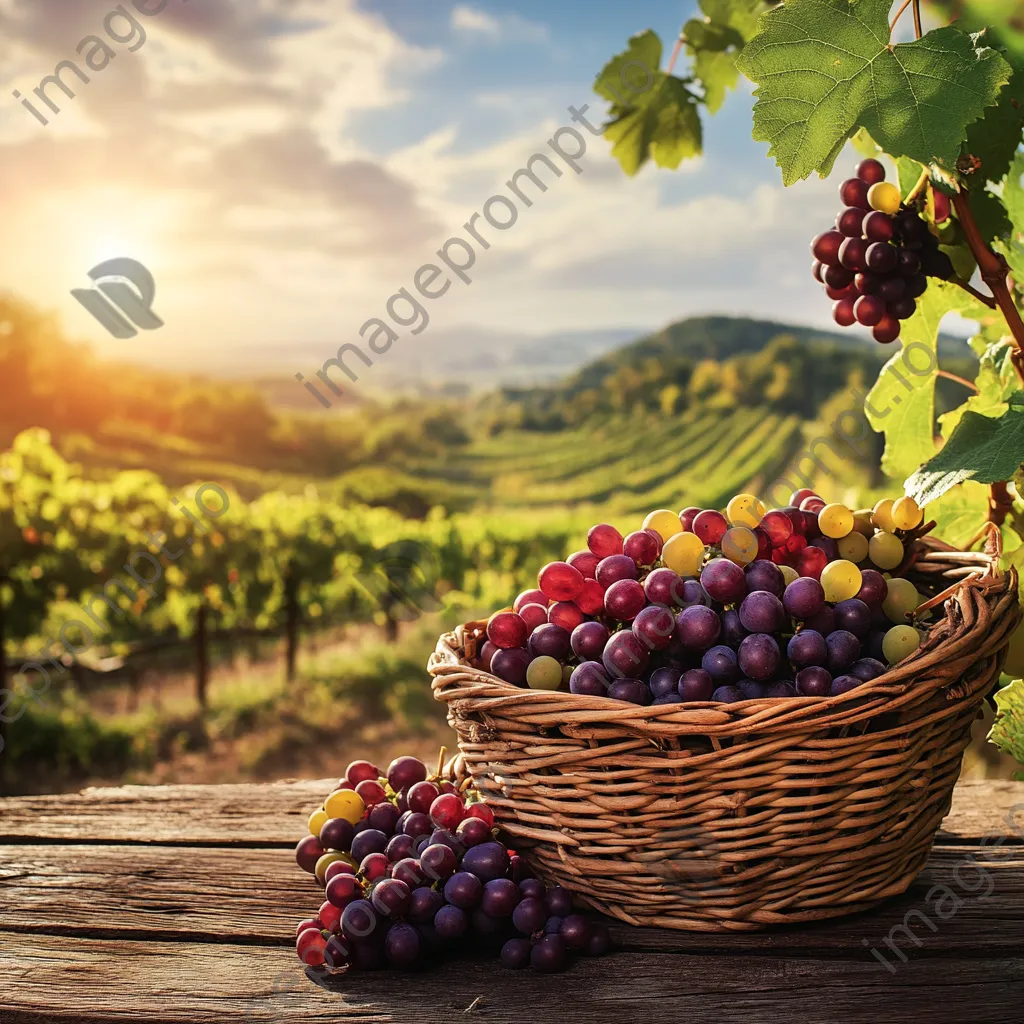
<point>282,167</point>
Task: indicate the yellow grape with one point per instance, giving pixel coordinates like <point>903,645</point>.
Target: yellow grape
<point>862,522</point>
<point>544,673</point>
<point>884,196</point>
<point>345,803</point>
<point>789,574</point>
<point>683,553</point>
<point>853,547</point>
<point>326,860</point>
<point>906,514</point>
<point>739,545</point>
<point>902,598</point>
<point>885,550</point>
<point>881,515</point>
<point>316,821</point>
<point>900,642</point>
<point>835,521</point>
<point>840,580</point>
<point>745,510</point>
<point>665,523</point>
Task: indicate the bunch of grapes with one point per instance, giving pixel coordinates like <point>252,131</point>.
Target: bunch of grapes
<point>411,868</point>
<point>711,606</point>
<point>876,262</point>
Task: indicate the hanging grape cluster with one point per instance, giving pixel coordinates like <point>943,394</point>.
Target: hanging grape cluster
<point>875,263</point>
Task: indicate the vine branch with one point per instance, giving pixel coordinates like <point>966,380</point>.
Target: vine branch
<point>675,53</point>
<point>899,14</point>
<point>988,300</point>
<point>960,380</point>
<point>917,18</point>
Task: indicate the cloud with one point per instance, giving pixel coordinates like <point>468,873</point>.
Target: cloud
<point>508,27</point>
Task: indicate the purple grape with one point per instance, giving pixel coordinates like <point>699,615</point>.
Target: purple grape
<point>780,688</point>
<point>500,898</point>
<point>854,616</point>
<point>368,841</point>
<point>624,599</point>
<point>533,887</point>
<point>828,545</point>
<point>337,952</point>
<point>487,861</point>
<point>391,897</point>
<point>559,900</point>
<point>384,816</point>
<point>575,931</point>
<point>873,645</point>
<point>843,651</point>
<point>844,684</point>
<point>552,640</point>
<point>359,920</point>
<point>667,698</point>
<point>723,580</point>
<point>529,916</point>
<point>553,925</point>
<point>752,689</point>
<point>867,669</point>
<point>464,889</point>
<point>804,598</point>
<point>450,922</point>
<point>699,626</point>
<point>696,684</point>
<point>664,680</point>
<point>337,834</point>
<point>418,824</point>
<point>813,681</point>
<point>510,664</point>
<point>633,691</point>
<point>693,593</point>
<point>824,622</point>
<point>625,655</point>
<point>728,695</point>
<point>807,647</point>
<point>873,588</point>
<point>881,257</point>
<point>654,625</point>
<point>663,586</point>
<point>399,847</point>
<point>370,955</point>
<point>599,940</point>
<point>732,629</point>
<point>764,575</point>
<point>473,832</point>
<point>424,903</point>
<point>759,656</point>
<point>588,640</point>
<point>548,954</point>
<point>402,945</point>
<point>720,663</point>
<point>515,954</point>
<point>438,861</point>
<point>589,678</point>
<point>614,568</point>
<point>762,612</point>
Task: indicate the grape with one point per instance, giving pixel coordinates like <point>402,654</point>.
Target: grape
<point>881,257</point>
<point>811,561</point>
<point>886,330</point>
<point>529,597</point>
<point>667,698</point>
<point>854,616</point>
<point>752,689</point>
<point>835,521</point>
<point>338,867</point>
<point>898,309</point>
<point>812,503</point>
<point>868,310</point>
<point>336,834</point>
<point>641,547</point>
<point>588,640</point>
<point>877,226</point>
<point>698,627</point>
<point>589,678</point>
<point>337,952</point>
<point>507,629</point>
<point>399,847</point>
<point>848,221</point>
<point>843,650</point>
<point>553,925</point>
<point>759,656</point>
<point>728,695</point>
<point>917,284</point>
<point>663,586</point>
<point>633,691</point>
<point>488,649</point>
<point>710,526</point>
<point>515,954</point>
<point>870,171</point>
<point>391,897</point>
<point>310,946</point>
<point>402,945</point>
<point>825,247</point>
<point>801,495</point>
<point>899,643</point>
<point>778,525</point>
<point>418,824</point>
<point>445,837</point>
<point>906,514</point>
<point>844,684</point>
<point>464,889</point>
<point>625,655</point>
<point>885,550</point>
<point>723,580</point>
<point>853,547</point>
<point>873,588</point>
<point>881,515</point>
<point>342,889</point>
<point>359,920</point>
<point>902,598</point>
<point>740,545</point>
<point>533,887</point>
<point>854,192</point>
<point>789,574</point>
<point>687,516</point>
<point>511,665</point>
<point>316,821</point>
<point>664,522</point>
<point>529,916</point>
<point>604,540</point>
<point>840,579</point>
<point>424,903</point>
<point>560,581</point>
<point>664,680</point>
<point>654,625</point>
<point>374,866</point>
<point>852,258</point>
<point>762,612</point>
<point>683,553</point>
<point>473,832</point>
<point>813,681</point>
<point>867,669</point>
<point>371,792</point>
<point>544,673</point>
<point>614,568</point>
<point>448,809</point>
<point>585,562</point>
<point>892,288</point>
<point>803,598</point>
<point>548,954</point>
<point>721,665</point>
<point>732,631</point>
<point>567,614</point>
<point>500,897</point>
<point>451,922</point>
<point>533,615</point>
<point>745,510</point>
<point>696,684</point>
<point>368,841</point>
<point>552,640</point>
<point>693,593</point>
<point>781,688</point>
<point>590,599</point>
<point>807,647</point>
<point>624,598</point>
<point>405,771</point>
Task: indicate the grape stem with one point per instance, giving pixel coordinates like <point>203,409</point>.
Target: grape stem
<point>1000,504</point>
<point>989,300</point>
<point>899,14</point>
<point>675,53</point>
<point>960,380</point>
<point>917,18</point>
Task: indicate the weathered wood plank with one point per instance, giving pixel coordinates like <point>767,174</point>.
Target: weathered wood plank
<point>175,894</point>
<point>49,980</point>
<point>274,814</point>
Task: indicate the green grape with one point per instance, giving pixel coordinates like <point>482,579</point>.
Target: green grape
<point>835,521</point>
<point>881,515</point>
<point>853,547</point>
<point>901,599</point>
<point>739,545</point>
<point>906,514</point>
<point>900,642</point>
<point>544,673</point>
<point>789,574</point>
<point>317,820</point>
<point>885,550</point>
<point>841,580</point>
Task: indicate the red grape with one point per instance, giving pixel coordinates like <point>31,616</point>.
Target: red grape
<point>877,226</point>
<point>560,581</point>
<point>811,561</point>
<point>359,771</point>
<point>343,889</point>
<point>374,866</point>
<point>854,192</point>
<point>590,600</point>
<point>663,586</point>
<point>801,495</point>
<point>307,852</point>
<point>533,615</point>
<point>614,568</point>
<point>604,540</point>
<point>886,330</point>
<point>892,288</point>
<point>881,257</point>
<point>869,309</point>
<point>507,629</point>
<point>641,547</point>
<point>909,264</point>
<point>624,599</point>
<point>837,294</point>
<point>372,792</point>
<point>406,771</point>
<point>723,580</point>
<point>566,614</point>
<point>849,221</point>
<point>841,276</point>
<point>842,312</point>
<point>710,526</point>
<point>901,309</point>
<point>481,811</point>
<point>447,811</point>
<point>654,625</point>
<point>310,946</point>
<point>870,171</point>
<point>530,597</point>
<point>585,562</point>
<point>852,257</point>
<point>825,247</point>
<point>421,796</point>
<point>688,514</point>
<point>339,867</point>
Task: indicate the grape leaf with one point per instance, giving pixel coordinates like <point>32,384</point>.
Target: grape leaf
<point>909,172</point>
<point>994,139</point>
<point>981,448</point>
<point>1013,193</point>
<point>1007,731</point>
<point>654,115</point>
<point>960,513</point>
<point>995,382</point>
<point>715,42</point>
<point>825,67</point>
<point>864,144</point>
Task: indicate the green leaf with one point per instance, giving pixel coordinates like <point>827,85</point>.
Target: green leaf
<point>981,448</point>
<point>994,139</point>
<point>960,513</point>
<point>654,115</point>
<point>825,67</point>
<point>1013,193</point>
<point>864,144</point>
<point>715,42</point>
<point>996,381</point>
<point>1007,731</point>
<point>909,172</point>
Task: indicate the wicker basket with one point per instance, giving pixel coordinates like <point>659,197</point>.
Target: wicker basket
<point>718,817</point>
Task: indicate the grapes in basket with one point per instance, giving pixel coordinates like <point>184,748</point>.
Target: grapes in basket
<point>412,869</point>
<point>703,605</point>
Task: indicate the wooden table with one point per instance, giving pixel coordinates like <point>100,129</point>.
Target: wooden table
<point>179,903</point>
